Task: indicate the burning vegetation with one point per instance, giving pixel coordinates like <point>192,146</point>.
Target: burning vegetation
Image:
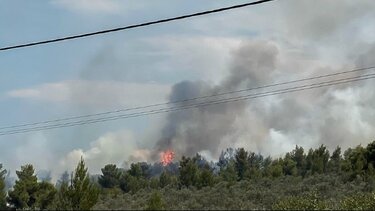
<point>166,157</point>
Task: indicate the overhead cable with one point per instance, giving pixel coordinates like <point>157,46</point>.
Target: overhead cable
<point>188,99</point>
<point>132,26</point>
<point>197,105</point>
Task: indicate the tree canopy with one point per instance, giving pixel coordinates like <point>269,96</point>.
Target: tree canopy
<point>300,179</point>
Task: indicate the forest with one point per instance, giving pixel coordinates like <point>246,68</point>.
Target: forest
<point>309,180</point>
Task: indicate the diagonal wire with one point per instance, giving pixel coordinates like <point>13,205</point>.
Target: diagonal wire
<point>133,26</point>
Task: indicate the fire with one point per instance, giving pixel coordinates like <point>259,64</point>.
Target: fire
<point>166,157</point>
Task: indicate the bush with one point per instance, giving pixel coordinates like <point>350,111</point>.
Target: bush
<point>308,202</point>
<point>155,202</point>
<point>359,201</point>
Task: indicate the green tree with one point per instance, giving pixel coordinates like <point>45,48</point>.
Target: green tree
<point>317,160</point>
<point>145,167</point>
<point>254,165</point>
<point>2,188</point>
<point>355,161</point>
<point>370,153</point>
<point>135,178</point>
<point>82,193</point>
<point>45,195</point>
<point>130,183</point>
<point>24,193</point>
<point>62,200</point>
<point>335,161</point>
<point>155,202</point>
<point>320,160</point>
<point>241,163</point>
<point>299,158</point>
<point>276,168</point>
<point>289,165</point>
<point>164,179</point>
<point>206,177</point>
<point>229,173</point>
<point>309,162</point>
<point>136,170</point>
<point>110,177</point>
<point>27,193</point>
<point>188,172</point>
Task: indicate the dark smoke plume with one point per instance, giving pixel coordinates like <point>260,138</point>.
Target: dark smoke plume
<point>200,129</point>
<point>271,124</point>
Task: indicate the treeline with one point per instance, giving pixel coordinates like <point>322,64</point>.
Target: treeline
<point>76,193</point>
<point>316,179</point>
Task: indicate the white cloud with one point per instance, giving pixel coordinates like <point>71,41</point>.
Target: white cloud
<point>95,94</point>
<point>89,6</point>
<point>54,92</point>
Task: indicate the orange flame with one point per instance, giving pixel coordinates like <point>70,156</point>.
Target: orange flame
<point>166,157</point>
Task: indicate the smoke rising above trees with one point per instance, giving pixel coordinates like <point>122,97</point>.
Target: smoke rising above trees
<point>295,42</point>
<point>204,128</point>
<point>309,118</point>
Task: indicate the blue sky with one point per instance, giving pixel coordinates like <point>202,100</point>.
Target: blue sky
<point>140,66</point>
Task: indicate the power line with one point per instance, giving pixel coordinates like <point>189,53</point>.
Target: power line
<point>133,26</point>
<point>164,110</point>
<point>178,108</point>
<point>189,99</point>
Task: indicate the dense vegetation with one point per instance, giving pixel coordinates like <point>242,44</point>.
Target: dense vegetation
<point>316,179</point>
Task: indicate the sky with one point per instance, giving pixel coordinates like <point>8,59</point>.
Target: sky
<point>272,42</point>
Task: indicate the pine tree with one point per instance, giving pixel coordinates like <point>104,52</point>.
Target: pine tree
<point>129,183</point>
<point>45,195</point>
<point>82,193</point>
<point>289,165</point>
<point>241,163</point>
<point>24,193</point>
<point>229,173</point>
<point>266,167</point>
<point>276,168</point>
<point>164,179</point>
<point>27,193</point>
<point>62,198</point>
<point>111,176</point>
<point>335,161</point>
<point>317,160</point>
<point>188,172</point>
<point>299,157</point>
<point>206,177</point>
<point>136,170</point>
<point>2,188</point>
<point>370,153</point>
<point>255,164</point>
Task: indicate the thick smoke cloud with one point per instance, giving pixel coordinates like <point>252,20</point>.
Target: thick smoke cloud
<point>321,20</point>
<point>329,36</point>
<point>339,115</point>
<point>204,128</point>
<point>308,38</point>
